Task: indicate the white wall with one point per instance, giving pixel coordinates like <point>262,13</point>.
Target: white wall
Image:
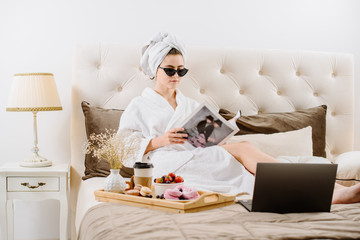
<point>39,36</point>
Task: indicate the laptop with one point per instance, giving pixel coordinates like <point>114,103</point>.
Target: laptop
<point>292,188</point>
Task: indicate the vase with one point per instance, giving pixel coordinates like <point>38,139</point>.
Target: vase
<point>114,182</point>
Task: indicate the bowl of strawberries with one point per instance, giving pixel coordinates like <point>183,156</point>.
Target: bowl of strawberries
<point>167,181</point>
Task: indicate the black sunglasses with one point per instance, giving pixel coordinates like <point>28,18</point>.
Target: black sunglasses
<point>171,72</point>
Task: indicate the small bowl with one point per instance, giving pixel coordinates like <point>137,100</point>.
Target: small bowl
<point>160,188</point>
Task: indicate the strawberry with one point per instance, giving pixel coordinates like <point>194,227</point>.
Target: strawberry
<point>178,179</point>
<point>172,175</point>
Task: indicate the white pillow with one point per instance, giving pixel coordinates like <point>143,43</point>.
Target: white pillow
<point>348,172</point>
<point>291,143</point>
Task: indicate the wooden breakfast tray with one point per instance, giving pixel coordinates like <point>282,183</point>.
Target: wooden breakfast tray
<point>206,201</point>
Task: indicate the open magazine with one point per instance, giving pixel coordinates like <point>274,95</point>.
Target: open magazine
<point>205,127</point>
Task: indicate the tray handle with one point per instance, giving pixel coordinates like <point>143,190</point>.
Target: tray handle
<point>210,198</point>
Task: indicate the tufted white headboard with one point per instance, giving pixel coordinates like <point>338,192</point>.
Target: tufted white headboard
<point>255,81</point>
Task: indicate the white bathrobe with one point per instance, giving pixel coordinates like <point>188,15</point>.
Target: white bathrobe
<point>210,169</point>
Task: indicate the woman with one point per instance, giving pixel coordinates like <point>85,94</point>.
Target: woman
<point>201,126</point>
<point>157,114</point>
<point>210,133</point>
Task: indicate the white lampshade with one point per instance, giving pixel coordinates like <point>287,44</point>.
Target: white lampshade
<point>33,92</point>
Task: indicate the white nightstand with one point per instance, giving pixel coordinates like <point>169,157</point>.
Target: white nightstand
<point>32,184</point>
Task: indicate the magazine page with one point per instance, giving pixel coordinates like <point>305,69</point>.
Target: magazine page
<point>205,127</point>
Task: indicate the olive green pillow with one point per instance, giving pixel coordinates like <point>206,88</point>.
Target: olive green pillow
<point>267,123</point>
<point>96,121</point>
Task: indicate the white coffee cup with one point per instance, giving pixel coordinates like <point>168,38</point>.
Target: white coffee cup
<point>143,169</point>
<point>143,173</point>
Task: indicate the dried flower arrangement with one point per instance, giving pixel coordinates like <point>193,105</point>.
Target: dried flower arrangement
<point>115,148</point>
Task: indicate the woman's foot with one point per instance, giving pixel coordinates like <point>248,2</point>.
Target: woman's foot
<point>343,195</point>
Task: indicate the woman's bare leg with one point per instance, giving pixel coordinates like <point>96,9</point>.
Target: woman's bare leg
<point>248,155</point>
<point>344,194</point>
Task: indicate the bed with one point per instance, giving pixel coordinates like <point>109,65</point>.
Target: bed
<point>315,87</point>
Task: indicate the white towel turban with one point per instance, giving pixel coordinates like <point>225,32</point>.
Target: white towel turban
<point>156,50</point>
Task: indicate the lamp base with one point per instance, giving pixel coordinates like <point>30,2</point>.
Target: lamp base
<point>35,161</point>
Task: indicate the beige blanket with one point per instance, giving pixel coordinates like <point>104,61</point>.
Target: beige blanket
<point>115,221</point>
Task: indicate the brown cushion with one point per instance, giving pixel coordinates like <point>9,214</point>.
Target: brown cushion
<point>96,121</point>
<point>281,122</point>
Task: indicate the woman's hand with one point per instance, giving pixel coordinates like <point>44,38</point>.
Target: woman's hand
<point>172,136</point>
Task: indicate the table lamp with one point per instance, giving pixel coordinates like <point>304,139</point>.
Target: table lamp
<point>34,92</point>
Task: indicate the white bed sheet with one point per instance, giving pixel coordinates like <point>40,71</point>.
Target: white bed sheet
<point>86,198</point>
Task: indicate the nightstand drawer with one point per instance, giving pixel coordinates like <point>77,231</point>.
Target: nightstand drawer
<point>33,184</point>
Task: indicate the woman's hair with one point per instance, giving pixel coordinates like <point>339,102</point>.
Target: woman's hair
<point>219,122</point>
<point>174,51</point>
<point>210,117</point>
